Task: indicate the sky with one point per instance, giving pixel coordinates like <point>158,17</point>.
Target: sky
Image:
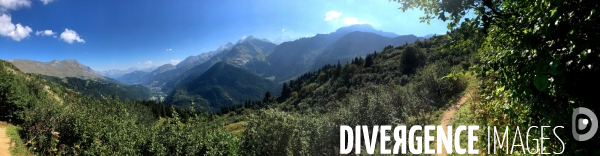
<point>119,34</point>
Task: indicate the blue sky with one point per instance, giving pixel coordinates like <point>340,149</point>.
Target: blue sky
<point>119,34</point>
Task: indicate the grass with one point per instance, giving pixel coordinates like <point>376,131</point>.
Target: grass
<point>236,128</point>
<point>17,146</point>
<point>466,115</point>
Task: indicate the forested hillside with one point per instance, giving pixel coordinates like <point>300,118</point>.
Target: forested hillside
<point>101,89</point>
<point>401,85</point>
<point>58,121</point>
<point>221,85</point>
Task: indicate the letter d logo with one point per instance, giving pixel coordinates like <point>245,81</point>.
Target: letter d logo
<point>581,124</point>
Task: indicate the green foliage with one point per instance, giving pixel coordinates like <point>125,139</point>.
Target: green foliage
<point>538,60</point>
<point>195,138</point>
<point>17,144</point>
<point>411,59</point>
<point>274,132</point>
<point>17,93</point>
<point>58,121</point>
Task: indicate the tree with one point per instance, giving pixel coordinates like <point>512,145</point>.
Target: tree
<point>411,58</point>
<point>338,69</point>
<point>543,54</point>
<point>549,50</point>
<point>369,61</point>
<point>286,91</point>
<point>267,97</point>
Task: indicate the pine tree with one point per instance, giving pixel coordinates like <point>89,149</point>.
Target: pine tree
<point>286,91</point>
<point>369,61</point>
<point>338,69</point>
<point>267,97</point>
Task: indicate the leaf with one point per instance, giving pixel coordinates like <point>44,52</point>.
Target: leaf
<point>541,82</point>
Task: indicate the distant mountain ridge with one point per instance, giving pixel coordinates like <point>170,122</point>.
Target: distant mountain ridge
<point>280,62</point>
<point>365,28</point>
<point>260,56</point>
<point>290,59</point>
<point>248,50</point>
<point>152,78</point>
<point>116,73</point>
<point>159,77</point>
<point>356,44</point>
<point>192,61</point>
<point>64,68</point>
<point>133,77</point>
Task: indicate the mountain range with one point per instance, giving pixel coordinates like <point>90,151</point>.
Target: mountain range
<point>249,51</point>
<point>289,59</point>
<point>255,63</point>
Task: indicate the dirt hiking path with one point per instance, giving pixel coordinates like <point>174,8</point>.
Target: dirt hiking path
<point>4,142</point>
<point>447,116</point>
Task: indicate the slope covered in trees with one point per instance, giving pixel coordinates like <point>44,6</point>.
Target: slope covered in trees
<point>221,85</point>
<point>58,121</point>
<point>400,85</point>
<point>101,89</point>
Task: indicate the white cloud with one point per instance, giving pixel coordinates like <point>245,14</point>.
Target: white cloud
<point>46,33</point>
<point>169,49</point>
<point>69,36</point>
<point>46,1</point>
<point>175,62</point>
<point>332,15</point>
<point>353,21</point>
<point>148,63</point>
<point>16,32</point>
<point>13,4</point>
<point>282,30</point>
